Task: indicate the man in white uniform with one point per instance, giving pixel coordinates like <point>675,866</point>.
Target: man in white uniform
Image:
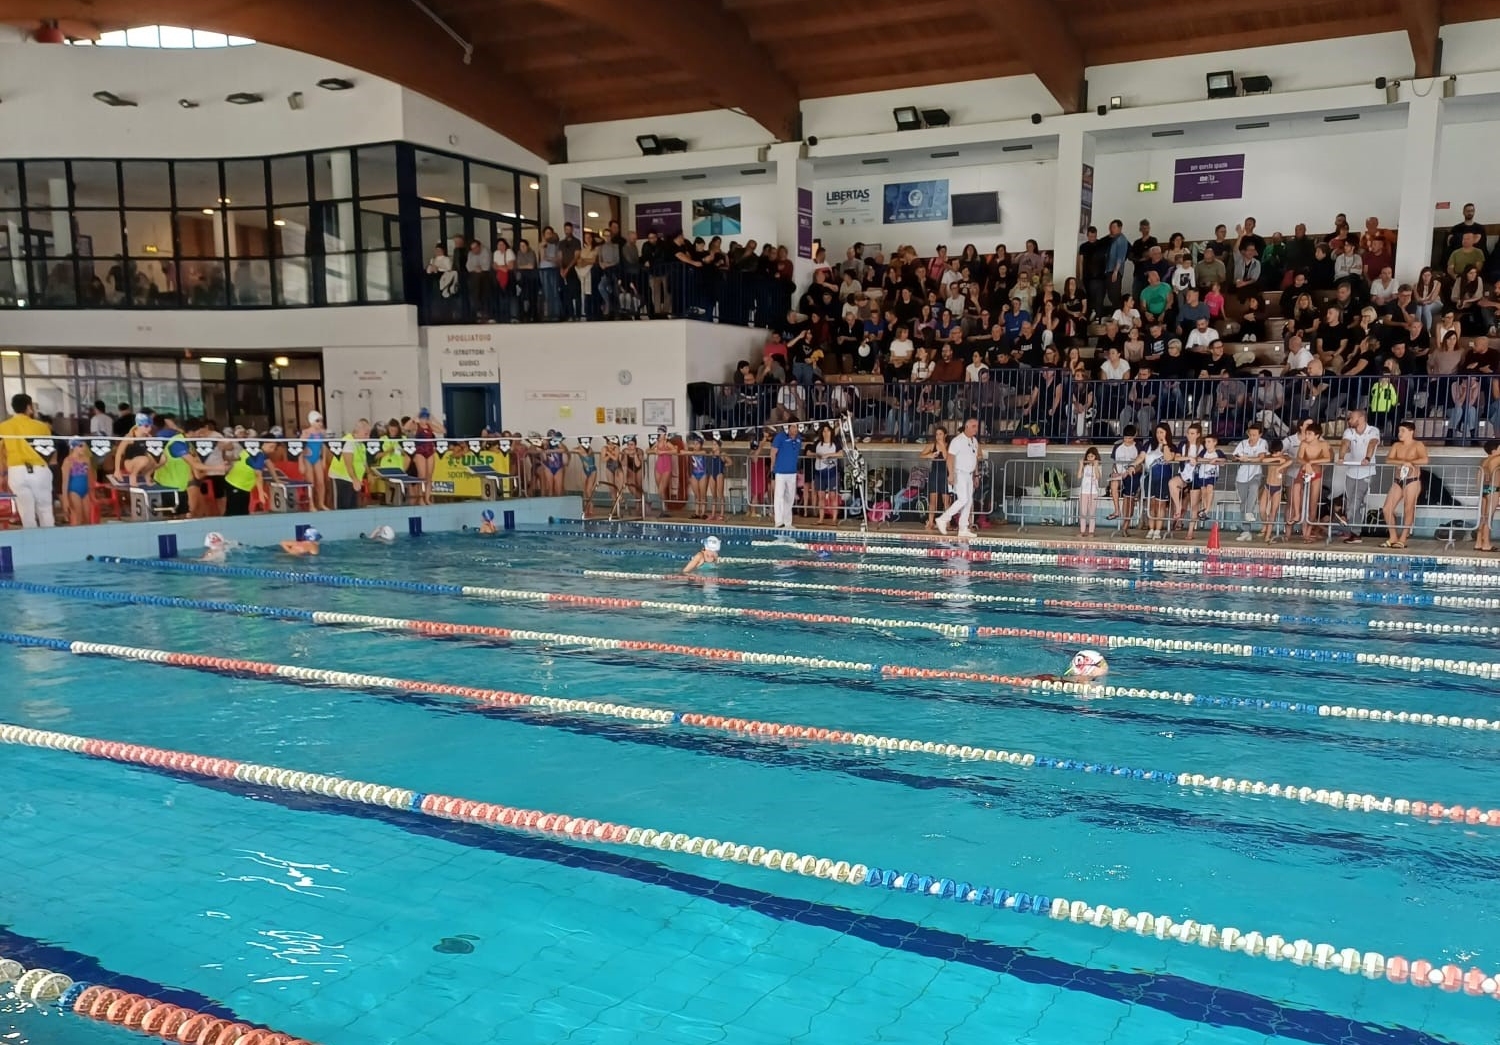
<point>1250,452</point>
<point>1361,440</point>
<point>963,462</point>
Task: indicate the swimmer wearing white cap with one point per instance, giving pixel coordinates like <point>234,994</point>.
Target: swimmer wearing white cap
<point>383,534</point>
<point>707,557</point>
<point>215,547</point>
<point>1086,666</point>
<point>307,545</point>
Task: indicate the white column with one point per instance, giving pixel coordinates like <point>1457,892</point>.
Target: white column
<point>792,173</point>
<point>1424,139</point>
<point>62,225</point>
<point>1075,150</point>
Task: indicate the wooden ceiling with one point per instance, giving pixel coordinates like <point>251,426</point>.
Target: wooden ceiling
<point>538,65</point>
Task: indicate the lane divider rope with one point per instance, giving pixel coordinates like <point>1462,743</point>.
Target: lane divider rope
<point>133,1012</point>
<point>954,631</point>
<point>1468,668</point>
<point>788,732</point>
<point>1187,932</point>
<point>695,531</point>
<point>1150,564</point>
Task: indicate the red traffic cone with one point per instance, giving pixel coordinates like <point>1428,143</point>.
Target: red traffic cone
<point>1213,538</point>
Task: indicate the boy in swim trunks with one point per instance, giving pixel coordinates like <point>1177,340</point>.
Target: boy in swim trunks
<point>308,545</point>
<point>1489,494</point>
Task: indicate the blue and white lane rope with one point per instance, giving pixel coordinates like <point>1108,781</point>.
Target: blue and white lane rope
<point>1468,668</point>
<point>1188,932</point>
<point>650,529</point>
<point>1150,564</point>
<point>1352,801</point>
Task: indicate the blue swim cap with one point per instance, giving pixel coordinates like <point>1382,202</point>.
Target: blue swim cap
<point>312,534</point>
<point>487,515</point>
<point>825,555</point>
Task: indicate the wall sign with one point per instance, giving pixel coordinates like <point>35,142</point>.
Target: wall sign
<point>1209,178</point>
<point>716,216</point>
<point>848,206</point>
<point>664,219</point>
<point>467,356</point>
<point>804,223</point>
<point>916,201</point>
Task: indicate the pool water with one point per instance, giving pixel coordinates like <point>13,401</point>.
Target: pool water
<point>344,923</point>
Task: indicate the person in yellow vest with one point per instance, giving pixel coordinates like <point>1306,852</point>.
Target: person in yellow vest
<point>392,455</point>
<point>346,467</point>
<point>26,452</point>
<point>177,470</point>
<point>245,476</point>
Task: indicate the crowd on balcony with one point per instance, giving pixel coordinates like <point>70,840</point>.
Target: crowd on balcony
<point>1282,328</point>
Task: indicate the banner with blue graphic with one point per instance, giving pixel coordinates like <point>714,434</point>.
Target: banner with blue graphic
<point>916,201</point>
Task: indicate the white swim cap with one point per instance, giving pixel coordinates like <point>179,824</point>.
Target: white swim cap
<point>313,417</point>
<point>1088,664</point>
<point>383,533</point>
<point>311,534</point>
<point>711,544</point>
<point>214,540</point>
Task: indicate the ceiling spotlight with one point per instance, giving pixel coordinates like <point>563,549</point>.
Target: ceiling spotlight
<point>593,214</point>
<point>208,210</point>
<point>186,103</point>
<point>650,144</point>
<point>281,361</point>
<point>110,98</point>
<point>935,117</point>
<point>1221,84</point>
<point>294,100</point>
<point>225,199</point>
<point>534,185</point>
<point>907,118</point>
<point>244,98</point>
<point>280,223</point>
<point>336,83</point>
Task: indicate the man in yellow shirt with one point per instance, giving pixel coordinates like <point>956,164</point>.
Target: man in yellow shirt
<point>25,450</point>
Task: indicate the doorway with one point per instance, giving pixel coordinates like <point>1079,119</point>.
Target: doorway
<point>469,409</point>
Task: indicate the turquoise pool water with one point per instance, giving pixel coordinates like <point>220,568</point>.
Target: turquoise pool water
<point>347,924</point>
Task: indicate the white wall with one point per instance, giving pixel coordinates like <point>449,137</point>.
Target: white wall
<point>615,139</point>
<point>376,382</point>
<point>1291,67</point>
<point>713,349</point>
<point>1471,46</point>
<point>1466,172</point>
<point>425,122</point>
<point>211,329</point>
<point>757,207</point>
<point>1028,191</point>
<point>973,101</point>
<point>1305,179</point>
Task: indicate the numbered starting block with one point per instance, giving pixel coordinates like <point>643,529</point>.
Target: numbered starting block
<point>144,503</point>
<point>290,496</point>
<point>397,484</point>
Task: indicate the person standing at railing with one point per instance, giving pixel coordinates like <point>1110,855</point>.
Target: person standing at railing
<point>1360,441</point>
<point>547,267</point>
<point>1116,254</point>
<point>786,451</point>
<point>1489,495</point>
<point>1407,459</point>
<point>346,465</point>
<point>1305,493</point>
<point>1089,471</point>
<point>963,460</point>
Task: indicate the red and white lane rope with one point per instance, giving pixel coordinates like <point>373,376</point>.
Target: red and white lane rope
<point>1140,563</point>
<point>132,1012</point>
<point>1187,932</point>
<point>1226,783</point>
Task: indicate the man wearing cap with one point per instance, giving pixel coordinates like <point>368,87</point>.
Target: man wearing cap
<point>246,475</point>
<point>26,452</point>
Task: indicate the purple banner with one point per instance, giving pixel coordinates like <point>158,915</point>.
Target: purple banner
<point>665,219</point>
<point>1209,178</point>
<point>804,223</point>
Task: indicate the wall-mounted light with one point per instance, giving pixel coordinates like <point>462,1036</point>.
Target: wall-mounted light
<point>1221,84</point>
<point>214,360</point>
<point>282,361</point>
<point>280,223</point>
<point>294,100</point>
<point>1256,85</point>
<point>187,103</point>
<point>593,214</point>
<point>907,118</point>
<point>1116,102</point>
<point>243,98</point>
<point>935,117</point>
<point>336,83</point>
<point>535,185</point>
<point>656,145</point>
<point>110,98</point>
<point>208,210</point>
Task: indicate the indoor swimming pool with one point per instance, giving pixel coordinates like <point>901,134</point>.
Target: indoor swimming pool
<point>815,794</point>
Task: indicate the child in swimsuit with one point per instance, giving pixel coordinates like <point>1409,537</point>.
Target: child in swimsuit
<point>716,477</point>
<point>308,545</point>
<point>78,466</point>
<point>698,476</point>
<point>1489,488</point>
<point>487,522</point>
<point>313,437</point>
<point>589,462</point>
<point>635,462</point>
<point>665,453</point>
<point>1276,462</point>
<point>1088,491</point>
<point>423,455</point>
<point>555,461</point>
<point>132,459</point>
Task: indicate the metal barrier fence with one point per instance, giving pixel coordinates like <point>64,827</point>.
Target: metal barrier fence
<point>1459,410</point>
<point>539,295</point>
<point>1324,504</point>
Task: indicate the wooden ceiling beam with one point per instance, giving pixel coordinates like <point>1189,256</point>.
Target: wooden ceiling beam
<point>730,69</point>
<point>1046,46</point>
<point>1164,47</point>
<point>390,39</point>
<point>1422,20</point>
<point>1102,27</point>
<point>810,28</point>
<point>858,80</point>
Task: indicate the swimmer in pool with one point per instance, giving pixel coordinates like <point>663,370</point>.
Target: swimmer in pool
<point>487,522</point>
<point>1087,666</point>
<point>215,548</point>
<point>383,534</point>
<point>308,545</point>
<point>707,557</point>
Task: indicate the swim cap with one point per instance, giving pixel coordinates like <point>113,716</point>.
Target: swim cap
<point>711,544</point>
<point>487,515</point>
<point>74,444</point>
<point>313,417</point>
<point>424,412</point>
<point>311,534</point>
<point>142,420</point>
<point>1088,664</point>
<point>383,533</point>
<point>214,540</point>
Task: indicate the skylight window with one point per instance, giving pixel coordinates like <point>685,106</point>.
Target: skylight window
<point>164,36</point>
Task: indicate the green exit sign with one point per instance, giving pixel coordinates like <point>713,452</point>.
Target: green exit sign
<point>1146,186</point>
